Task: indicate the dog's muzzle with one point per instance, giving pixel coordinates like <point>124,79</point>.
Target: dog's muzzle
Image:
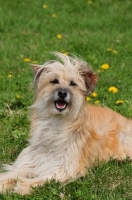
<point>62,99</point>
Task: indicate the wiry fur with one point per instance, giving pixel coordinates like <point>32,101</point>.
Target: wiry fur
<point>64,144</point>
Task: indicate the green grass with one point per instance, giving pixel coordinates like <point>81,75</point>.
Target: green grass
<point>29,31</point>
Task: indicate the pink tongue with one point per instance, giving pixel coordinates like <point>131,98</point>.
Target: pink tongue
<point>60,105</point>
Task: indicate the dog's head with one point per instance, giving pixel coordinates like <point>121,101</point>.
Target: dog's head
<point>62,86</point>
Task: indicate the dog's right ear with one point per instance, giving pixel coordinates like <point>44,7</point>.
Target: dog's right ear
<point>37,71</point>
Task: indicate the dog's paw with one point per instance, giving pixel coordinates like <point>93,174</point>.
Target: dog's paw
<point>6,185</point>
<point>22,189</point>
<point>7,182</point>
<point>24,185</point>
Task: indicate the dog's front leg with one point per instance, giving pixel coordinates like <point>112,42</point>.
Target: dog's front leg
<point>21,167</point>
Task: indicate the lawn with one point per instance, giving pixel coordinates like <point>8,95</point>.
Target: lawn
<point>98,31</point>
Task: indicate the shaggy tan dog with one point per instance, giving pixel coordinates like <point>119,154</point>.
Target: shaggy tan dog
<point>67,134</point>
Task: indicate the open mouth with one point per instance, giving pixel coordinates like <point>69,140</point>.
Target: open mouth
<point>61,105</point>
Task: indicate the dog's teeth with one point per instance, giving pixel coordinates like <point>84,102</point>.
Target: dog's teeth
<point>60,106</point>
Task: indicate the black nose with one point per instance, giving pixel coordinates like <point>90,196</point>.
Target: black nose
<point>62,93</point>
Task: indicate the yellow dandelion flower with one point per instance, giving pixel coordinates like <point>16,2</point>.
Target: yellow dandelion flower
<point>44,6</point>
<point>18,96</point>
<point>94,94</point>
<point>59,36</point>
<point>88,99</point>
<point>105,66</point>
<point>113,89</point>
<point>96,102</point>
<point>119,102</point>
<point>53,15</point>
<point>35,62</point>
<point>10,76</point>
<point>109,49</point>
<point>65,53</point>
<point>27,60</point>
<point>99,70</point>
<point>115,52</point>
<point>90,2</point>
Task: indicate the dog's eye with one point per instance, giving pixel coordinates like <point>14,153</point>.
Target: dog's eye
<point>55,81</point>
<point>72,83</point>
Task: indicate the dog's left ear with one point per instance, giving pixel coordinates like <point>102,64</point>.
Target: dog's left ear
<point>90,79</point>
